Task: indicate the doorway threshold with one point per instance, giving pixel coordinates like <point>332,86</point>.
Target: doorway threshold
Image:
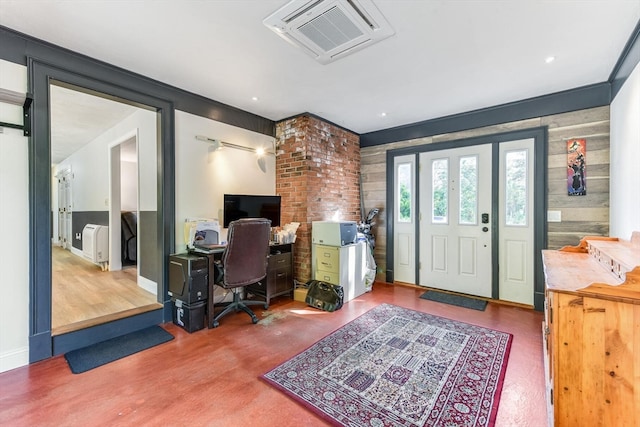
<point>76,326</point>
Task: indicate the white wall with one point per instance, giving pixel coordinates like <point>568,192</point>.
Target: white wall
<point>129,186</point>
<point>624,212</point>
<point>90,165</point>
<point>14,226</point>
<point>203,176</point>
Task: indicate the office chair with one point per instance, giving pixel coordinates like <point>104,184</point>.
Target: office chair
<point>244,262</point>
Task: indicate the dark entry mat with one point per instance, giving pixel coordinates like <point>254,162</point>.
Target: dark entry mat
<point>459,300</point>
<point>101,353</point>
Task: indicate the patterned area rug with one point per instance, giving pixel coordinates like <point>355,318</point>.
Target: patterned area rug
<point>398,367</point>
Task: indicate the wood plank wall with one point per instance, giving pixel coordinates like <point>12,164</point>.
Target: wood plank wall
<point>581,215</point>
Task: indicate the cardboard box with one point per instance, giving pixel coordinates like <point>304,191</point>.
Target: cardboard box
<point>299,294</point>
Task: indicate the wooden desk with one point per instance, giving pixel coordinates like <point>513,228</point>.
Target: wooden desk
<point>279,280</point>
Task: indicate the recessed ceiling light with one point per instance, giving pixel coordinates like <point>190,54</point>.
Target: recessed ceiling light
<point>254,98</point>
<point>383,114</point>
<point>549,59</point>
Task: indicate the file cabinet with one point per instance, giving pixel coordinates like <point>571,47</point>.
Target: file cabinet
<point>341,265</point>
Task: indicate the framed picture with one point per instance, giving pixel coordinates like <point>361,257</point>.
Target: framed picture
<point>576,167</point>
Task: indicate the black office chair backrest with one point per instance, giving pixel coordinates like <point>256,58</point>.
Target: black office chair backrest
<point>245,258</point>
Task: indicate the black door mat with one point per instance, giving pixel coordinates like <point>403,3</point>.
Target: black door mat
<point>453,299</point>
<point>101,353</point>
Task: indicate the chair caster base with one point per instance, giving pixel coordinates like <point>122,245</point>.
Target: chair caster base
<point>266,306</point>
<point>254,319</point>
<point>215,324</point>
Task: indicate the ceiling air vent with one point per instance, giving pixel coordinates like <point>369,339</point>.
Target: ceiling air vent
<point>330,29</point>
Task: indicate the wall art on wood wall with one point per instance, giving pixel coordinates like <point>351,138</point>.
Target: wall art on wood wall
<point>577,165</point>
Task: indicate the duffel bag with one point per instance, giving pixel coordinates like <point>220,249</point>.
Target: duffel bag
<point>325,296</point>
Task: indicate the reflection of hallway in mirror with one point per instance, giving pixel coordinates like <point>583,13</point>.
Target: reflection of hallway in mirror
<point>86,296</point>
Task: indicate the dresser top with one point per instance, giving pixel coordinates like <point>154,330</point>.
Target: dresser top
<point>570,271</point>
<point>626,253</point>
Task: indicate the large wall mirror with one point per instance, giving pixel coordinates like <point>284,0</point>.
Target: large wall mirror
<point>104,191</point>
<point>101,199</point>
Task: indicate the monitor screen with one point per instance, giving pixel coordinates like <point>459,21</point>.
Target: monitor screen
<point>237,206</point>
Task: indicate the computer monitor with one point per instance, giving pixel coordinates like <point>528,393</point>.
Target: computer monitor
<point>237,206</point>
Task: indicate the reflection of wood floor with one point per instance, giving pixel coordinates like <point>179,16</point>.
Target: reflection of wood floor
<point>83,295</point>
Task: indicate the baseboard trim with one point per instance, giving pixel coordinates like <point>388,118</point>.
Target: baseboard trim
<point>77,252</point>
<point>148,285</point>
<point>14,359</point>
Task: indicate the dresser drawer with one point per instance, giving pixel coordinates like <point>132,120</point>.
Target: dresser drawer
<point>327,259</point>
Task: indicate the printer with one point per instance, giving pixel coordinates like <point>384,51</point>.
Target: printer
<point>333,233</point>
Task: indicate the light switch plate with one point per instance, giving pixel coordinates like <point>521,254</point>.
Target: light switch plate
<point>554,216</point>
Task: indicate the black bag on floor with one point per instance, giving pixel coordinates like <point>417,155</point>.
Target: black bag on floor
<point>325,296</point>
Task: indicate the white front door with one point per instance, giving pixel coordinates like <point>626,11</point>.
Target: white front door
<point>455,223</point>
<point>516,282</point>
<point>404,225</point>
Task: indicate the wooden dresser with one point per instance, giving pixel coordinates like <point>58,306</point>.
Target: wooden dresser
<point>592,333</point>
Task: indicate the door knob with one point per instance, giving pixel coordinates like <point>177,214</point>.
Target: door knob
<point>485,229</point>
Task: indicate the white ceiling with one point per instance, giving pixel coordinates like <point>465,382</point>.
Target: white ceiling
<point>446,57</point>
<point>78,118</point>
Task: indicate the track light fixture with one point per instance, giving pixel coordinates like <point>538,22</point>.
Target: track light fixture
<point>218,144</point>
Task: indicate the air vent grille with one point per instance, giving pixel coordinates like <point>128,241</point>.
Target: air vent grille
<point>330,29</point>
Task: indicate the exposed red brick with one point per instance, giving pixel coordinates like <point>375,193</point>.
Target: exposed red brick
<point>317,171</point>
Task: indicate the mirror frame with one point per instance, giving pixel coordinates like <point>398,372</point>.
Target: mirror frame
<point>122,86</point>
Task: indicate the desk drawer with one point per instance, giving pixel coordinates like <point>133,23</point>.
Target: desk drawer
<point>283,280</point>
<point>327,259</point>
<point>279,260</point>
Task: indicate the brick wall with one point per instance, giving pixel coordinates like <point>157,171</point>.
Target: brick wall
<point>317,175</point>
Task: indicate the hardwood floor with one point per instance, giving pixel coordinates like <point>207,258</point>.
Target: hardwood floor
<point>83,295</point>
<point>211,377</point>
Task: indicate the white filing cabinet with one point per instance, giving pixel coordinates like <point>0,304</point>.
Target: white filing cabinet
<point>341,265</point>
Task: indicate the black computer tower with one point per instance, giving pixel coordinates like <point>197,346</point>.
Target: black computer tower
<point>190,317</point>
<point>188,277</point>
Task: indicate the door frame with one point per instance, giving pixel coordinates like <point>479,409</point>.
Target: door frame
<point>115,197</point>
<point>103,80</point>
<point>540,137</point>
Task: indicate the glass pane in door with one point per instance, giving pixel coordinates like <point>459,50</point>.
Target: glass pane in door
<point>516,188</point>
<point>468,190</point>
<point>439,191</point>
<point>404,191</point>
